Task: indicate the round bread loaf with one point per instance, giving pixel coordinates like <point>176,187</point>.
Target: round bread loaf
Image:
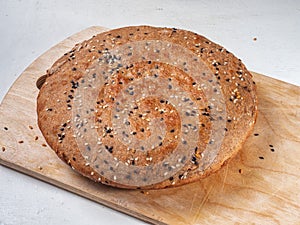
<point>147,107</point>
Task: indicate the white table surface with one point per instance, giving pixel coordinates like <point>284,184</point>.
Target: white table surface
<point>29,28</point>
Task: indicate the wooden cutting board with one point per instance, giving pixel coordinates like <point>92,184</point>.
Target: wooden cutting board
<point>261,185</point>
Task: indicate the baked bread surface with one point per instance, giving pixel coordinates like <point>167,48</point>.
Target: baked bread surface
<point>147,107</point>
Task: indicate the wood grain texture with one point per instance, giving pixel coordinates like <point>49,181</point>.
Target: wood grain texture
<point>259,186</point>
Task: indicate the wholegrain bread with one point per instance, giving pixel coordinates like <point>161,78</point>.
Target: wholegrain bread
<point>146,107</point>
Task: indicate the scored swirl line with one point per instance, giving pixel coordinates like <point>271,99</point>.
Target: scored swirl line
<point>147,87</point>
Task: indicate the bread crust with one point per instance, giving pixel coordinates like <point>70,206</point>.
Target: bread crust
<point>55,105</point>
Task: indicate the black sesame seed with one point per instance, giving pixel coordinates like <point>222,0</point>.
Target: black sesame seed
<point>5,128</point>
<point>134,133</point>
<point>172,131</point>
<point>108,130</point>
<point>261,157</point>
<point>271,146</point>
<point>74,69</point>
<point>198,99</point>
<point>272,150</point>
<point>171,178</point>
<point>110,149</point>
<point>149,62</point>
<point>142,130</point>
<point>229,120</point>
<point>256,134</point>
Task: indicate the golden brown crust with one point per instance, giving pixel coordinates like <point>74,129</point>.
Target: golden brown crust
<point>56,102</point>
